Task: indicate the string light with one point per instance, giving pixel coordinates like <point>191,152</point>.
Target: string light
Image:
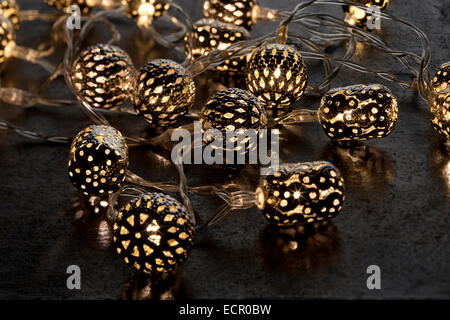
<point>10,10</point>
<point>209,35</point>
<point>239,13</point>
<point>163,92</point>
<point>355,16</point>
<point>102,75</point>
<point>145,11</point>
<point>98,160</point>
<point>358,112</point>
<point>305,192</point>
<point>277,75</point>
<point>153,233</point>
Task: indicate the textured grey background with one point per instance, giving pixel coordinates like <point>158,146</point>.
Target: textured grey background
<point>396,214</point>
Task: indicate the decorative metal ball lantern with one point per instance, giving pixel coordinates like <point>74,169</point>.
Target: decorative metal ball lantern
<point>153,233</point>
<point>102,75</point>
<point>145,11</point>
<point>277,75</point>
<point>239,13</point>
<point>209,35</point>
<point>233,110</point>
<point>163,92</point>
<point>305,192</point>
<point>98,160</point>
<point>358,112</point>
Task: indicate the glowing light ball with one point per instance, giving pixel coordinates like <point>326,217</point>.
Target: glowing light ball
<point>145,11</point>
<point>441,79</point>
<point>304,192</point>
<point>163,92</point>
<point>233,110</point>
<point>102,74</point>
<point>440,113</point>
<point>239,13</point>
<point>209,35</point>
<point>153,234</point>
<point>98,160</point>
<point>358,112</point>
<point>277,75</point>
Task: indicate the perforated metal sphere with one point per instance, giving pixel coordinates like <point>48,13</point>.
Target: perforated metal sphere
<point>440,113</point>
<point>10,9</point>
<point>234,110</point>
<point>278,76</point>
<point>153,233</point>
<point>145,11</point>
<point>85,6</point>
<point>98,160</point>
<point>102,74</point>
<point>303,192</point>
<point>209,35</point>
<point>358,112</point>
<point>239,13</point>
<point>7,37</point>
<point>358,17</point>
<point>441,79</point>
<point>163,92</point>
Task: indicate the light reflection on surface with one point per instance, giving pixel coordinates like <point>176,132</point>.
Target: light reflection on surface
<point>90,219</point>
<point>362,166</point>
<point>141,287</point>
<point>446,174</point>
<point>104,235</point>
<point>440,160</point>
<point>300,247</point>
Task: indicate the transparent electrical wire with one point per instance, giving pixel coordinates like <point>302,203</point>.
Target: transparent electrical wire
<point>98,118</point>
<point>170,41</point>
<point>422,79</point>
<point>26,99</point>
<point>305,20</point>
<point>336,30</point>
<point>330,30</point>
<point>231,194</point>
<point>5,125</point>
<point>182,189</point>
<point>342,31</point>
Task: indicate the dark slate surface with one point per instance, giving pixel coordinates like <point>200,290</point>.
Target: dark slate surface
<point>396,215</point>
